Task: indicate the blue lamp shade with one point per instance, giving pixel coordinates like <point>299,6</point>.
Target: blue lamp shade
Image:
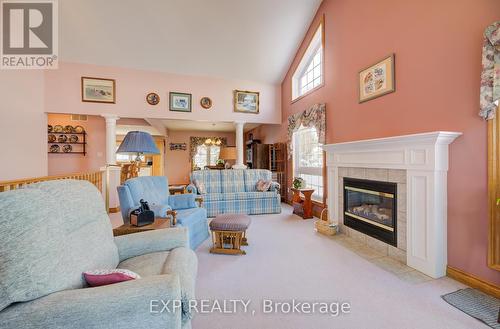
<point>138,142</point>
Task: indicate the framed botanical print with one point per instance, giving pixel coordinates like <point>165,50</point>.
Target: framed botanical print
<point>246,101</point>
<point>98,90</point>
<point>377,80</point>
<point>180,102</point>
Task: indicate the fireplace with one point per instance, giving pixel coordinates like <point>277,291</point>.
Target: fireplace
<point>370,208</point>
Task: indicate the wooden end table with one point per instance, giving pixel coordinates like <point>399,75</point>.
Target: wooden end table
<point>177,189</point>
<point>158,224</point>
<point>302,207</point>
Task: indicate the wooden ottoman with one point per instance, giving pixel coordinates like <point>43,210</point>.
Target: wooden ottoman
<point>228,233</point>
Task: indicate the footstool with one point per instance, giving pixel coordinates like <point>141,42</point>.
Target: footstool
<point>228,233</point>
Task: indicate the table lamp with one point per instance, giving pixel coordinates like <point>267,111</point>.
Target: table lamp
<point>139,143</point>
<point>228,153</point>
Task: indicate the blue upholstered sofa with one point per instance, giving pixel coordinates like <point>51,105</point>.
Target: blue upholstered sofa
<point>154,190</point>
<point>234,191</point>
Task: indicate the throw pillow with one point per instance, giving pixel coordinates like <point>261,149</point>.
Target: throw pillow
<point>263,185</point>
<point>200,186</point>
<point>98,278</point>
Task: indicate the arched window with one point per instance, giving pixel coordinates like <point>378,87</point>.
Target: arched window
<point>309,73</point>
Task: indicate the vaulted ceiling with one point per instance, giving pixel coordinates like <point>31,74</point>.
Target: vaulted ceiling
<point>235,39</point>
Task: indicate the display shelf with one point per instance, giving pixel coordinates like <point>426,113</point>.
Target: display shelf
<point>82,143</point>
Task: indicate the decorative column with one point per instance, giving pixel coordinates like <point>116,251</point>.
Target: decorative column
<point>239,146</point>
<point>110,138</point>
<point>111,172</point>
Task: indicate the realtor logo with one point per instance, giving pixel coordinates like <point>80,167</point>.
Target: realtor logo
<point>29,34</point>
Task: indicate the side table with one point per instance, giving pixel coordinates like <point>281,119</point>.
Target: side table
<point>177,189</point>
<point>158,224</point>
<point>302,207</point>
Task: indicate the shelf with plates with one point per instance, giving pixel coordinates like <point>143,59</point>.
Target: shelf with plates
<point>67,143</point>
<point>84,153</point>
<point>66,136</point>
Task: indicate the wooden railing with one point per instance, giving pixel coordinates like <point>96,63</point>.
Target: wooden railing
<point>95,178</point>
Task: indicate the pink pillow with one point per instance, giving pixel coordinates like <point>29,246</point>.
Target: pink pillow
<point>98,278</point>
<point>263,185</point>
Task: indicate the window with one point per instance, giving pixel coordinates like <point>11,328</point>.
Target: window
<point>308,160</point>
<point>206,155</point>
<point>309,73</point>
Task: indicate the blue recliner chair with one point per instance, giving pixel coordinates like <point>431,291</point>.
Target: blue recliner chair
<point>154,190</point>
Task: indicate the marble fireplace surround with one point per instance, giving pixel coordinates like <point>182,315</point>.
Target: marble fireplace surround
<point>424,157</point>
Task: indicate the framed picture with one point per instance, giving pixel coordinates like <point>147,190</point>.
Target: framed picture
<point>246,101</point>
<point>180,102</point>
<point>377,80</point>
<point>98,90</point>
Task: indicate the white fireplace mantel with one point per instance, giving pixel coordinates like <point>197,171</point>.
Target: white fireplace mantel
<point>425,159</point>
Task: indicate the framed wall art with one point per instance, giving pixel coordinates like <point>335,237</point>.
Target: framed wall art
<point>178,146</point>
<point>98,90</point>
<point>180,102</point>
<point>377,80</point>
<point>246,101</point>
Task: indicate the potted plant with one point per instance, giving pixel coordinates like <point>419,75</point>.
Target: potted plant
<point>220,163</point>
<point>299,182</point>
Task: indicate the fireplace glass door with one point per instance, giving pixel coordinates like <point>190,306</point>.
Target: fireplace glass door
<point>370,207</point>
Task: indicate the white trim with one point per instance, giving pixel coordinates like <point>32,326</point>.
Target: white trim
<point>425,159</point>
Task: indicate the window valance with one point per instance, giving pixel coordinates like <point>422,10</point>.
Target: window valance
<point>315,117</point>
<point>490,76</point>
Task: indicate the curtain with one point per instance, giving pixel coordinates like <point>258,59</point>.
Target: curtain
<point>490,76</point>
<point>197,141</point>
<point>315,117</point>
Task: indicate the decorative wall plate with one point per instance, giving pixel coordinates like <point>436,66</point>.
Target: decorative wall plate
<point>62,139</point>
<point>79,129</point>
<point>73,139</point>
<point>52,138</point>
<point>67,148</point>
<point>50,128</point>
<point>54,148</point>
<point>58,129</point>
<point>68,129</point>
<point>152,98</point>
<point>206,103</point>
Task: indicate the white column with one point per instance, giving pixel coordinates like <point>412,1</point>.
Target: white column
<point>110,138</point>
<point>240,144</point>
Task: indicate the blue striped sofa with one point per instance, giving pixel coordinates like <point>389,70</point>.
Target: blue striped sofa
<point>234,191</point>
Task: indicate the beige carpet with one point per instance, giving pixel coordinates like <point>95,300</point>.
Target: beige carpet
<point>286,259</point>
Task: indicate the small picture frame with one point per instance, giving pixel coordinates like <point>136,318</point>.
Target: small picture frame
<point>178,146</point>
<point>180,102</point>
<point>246,101</point>
<point>98,90</point>
<point>377,80</point>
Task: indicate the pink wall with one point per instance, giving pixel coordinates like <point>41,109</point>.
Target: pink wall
<point>95,127</point>
<point>438,62</point>
<point>63,94</point>
<point>23,125</point>
<point>178,163</point>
